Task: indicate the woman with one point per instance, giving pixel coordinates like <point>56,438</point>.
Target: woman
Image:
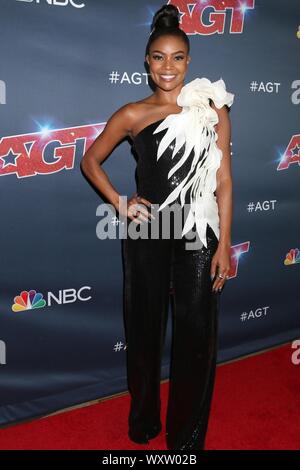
<point>174,133</point>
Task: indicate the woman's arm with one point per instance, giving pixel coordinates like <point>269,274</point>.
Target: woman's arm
<point>224,178</point>
<point>116,129</point>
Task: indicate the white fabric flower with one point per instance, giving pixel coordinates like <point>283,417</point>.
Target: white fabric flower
<point>194,128</point>
<point>200,90</point>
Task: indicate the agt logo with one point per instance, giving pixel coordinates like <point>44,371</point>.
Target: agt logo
<point>291,154</point>
<point>235,254</point>
<point>59,3</point>
<point>45,152</point>
<point>28,300</point>
<point>208,16</point>
<point>2,353</point>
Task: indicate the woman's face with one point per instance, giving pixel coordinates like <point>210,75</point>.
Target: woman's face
<point>168,61</point>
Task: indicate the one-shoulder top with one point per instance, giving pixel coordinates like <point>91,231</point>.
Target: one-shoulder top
<point>152,174</point>
<point>178,156</point>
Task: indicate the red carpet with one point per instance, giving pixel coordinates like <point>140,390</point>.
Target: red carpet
<point>256,405</point>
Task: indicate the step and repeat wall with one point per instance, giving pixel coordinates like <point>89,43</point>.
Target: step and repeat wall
<point>66,67</point>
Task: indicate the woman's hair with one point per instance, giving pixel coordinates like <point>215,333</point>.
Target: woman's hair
<point>166,22</point>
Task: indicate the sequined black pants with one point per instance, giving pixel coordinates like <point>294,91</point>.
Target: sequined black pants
<point>150,266</point>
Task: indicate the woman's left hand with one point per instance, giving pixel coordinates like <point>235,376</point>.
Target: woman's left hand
<point>220,265</point>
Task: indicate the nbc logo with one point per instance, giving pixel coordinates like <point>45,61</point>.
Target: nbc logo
<point>28,300</point>
<point>292,257</point>
<point>60,3</point>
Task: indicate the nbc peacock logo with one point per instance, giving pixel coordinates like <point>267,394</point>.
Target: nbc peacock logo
<point>292,257</point>
<point>28,300</point>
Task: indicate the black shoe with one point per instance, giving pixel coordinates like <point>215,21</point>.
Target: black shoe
<point>141,438</point>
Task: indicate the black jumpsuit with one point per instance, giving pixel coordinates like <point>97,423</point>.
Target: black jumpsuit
<point>152,267</point>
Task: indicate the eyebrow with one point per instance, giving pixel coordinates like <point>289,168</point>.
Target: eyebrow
<point>172,52</point>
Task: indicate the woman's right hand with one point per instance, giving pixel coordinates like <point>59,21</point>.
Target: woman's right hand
<point>135,209</point>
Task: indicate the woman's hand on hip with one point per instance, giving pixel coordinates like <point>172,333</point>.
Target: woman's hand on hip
<point>136,209</point>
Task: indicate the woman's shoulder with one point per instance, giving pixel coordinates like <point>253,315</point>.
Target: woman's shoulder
<point>138,113</point>
<point>128,116</point>
<point>134,110</point>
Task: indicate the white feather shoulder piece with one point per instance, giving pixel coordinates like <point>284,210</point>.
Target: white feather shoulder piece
<point>194,127</point>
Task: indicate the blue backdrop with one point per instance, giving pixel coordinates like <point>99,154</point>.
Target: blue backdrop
<point>66,66</point>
